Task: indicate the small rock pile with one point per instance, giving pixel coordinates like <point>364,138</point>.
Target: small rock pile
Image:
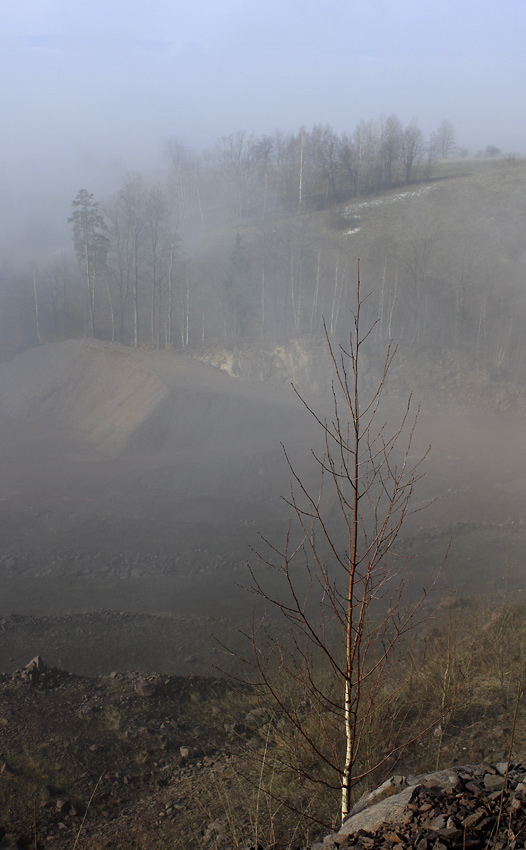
<point>471,807</point>
<point>37,673</point>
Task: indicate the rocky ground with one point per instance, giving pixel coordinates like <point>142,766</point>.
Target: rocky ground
<point>132,489</point>
<point>136,760</point>
<point>117,760</point>
<point>472,806</point>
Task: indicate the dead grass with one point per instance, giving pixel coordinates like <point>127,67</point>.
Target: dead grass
<point>461,679</point>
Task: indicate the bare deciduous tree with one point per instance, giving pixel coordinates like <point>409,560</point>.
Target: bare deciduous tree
<point>446,138</point>
<point>412,148</point>
<point>343,634</point>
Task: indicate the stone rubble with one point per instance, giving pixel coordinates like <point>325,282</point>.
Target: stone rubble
<point>37,673</point>
<point>470,807</point>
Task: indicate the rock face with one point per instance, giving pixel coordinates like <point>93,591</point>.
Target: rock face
<point>303,361</point>
<point>466,807</point>
<point>371,819</point>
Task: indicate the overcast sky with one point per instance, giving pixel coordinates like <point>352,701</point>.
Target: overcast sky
<point>89,87</point>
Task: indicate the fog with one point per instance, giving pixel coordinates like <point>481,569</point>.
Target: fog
<point>223,167</point>
<point>92,91</point>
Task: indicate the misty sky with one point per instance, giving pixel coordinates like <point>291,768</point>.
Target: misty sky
<point>90,88</point>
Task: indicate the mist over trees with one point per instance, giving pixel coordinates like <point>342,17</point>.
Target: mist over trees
<point>258,238</point>
<point>91,245</point>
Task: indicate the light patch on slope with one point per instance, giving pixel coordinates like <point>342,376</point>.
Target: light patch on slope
<point>352,209</point>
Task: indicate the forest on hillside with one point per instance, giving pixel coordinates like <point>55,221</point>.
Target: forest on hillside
<point>259,238</point>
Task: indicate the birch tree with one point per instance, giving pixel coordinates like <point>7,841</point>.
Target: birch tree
<point>130,214</point>
<point>156,222</point>
<point>91,244</point>
<point>58,284</point>
<point>339,654</point>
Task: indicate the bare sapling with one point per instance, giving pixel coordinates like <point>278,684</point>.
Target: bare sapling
<point>342,591</point>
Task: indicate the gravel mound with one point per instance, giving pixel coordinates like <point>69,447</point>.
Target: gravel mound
<point>99,389</point>
<point>123,400</point>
